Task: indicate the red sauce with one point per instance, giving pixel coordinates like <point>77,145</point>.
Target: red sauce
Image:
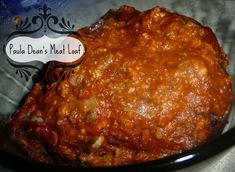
<point>151,84</point>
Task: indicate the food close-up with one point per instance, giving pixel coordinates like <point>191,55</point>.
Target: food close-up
<point>150,84</point>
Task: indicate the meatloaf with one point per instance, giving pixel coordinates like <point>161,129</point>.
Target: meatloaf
<point>150,84</point>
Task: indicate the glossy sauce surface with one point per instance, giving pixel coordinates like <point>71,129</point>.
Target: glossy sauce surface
<point>151,84</point>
